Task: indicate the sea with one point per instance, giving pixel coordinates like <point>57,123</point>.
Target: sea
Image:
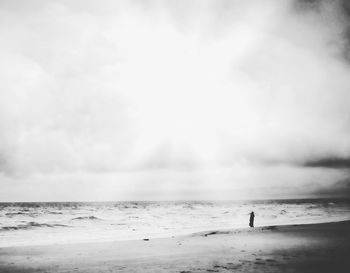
<point>26,224</point>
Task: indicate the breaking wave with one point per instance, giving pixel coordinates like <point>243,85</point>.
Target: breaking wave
<point>30,225</point>
<point>12,214</point>
<point>87,218</point>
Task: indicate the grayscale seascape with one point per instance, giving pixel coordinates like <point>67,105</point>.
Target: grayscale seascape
<point>174,136</point>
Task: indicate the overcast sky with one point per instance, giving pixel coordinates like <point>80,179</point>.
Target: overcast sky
<point>137,100</point>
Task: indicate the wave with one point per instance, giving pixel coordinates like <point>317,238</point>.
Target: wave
<point>30,225</point>
<point>87,218</point>
<point>12,214</point>
<point>29,213</point>
<point>15,213</point>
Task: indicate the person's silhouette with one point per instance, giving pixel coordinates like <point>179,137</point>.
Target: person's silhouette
<point>251,219</point>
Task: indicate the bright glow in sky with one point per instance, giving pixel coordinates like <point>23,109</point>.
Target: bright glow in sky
<point>126,100</point>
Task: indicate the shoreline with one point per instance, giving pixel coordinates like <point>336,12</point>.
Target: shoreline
<point>291,248</point>
<point>182,234</point>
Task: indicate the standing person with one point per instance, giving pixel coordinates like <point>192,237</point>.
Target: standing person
<point>251,219</point>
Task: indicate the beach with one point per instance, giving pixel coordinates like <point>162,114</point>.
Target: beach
<point>37,223</point>
<point>284,248</point>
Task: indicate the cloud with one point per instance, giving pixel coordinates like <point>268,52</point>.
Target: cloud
<point>329,163</point>
<point>339,189</point>
<point>161,87</point>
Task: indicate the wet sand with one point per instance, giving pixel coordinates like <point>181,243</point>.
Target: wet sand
<point>292,248</point>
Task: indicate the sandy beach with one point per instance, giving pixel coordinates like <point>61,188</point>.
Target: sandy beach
<point>290,248</point>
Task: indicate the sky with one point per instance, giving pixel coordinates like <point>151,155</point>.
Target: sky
<point>165,100</point>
